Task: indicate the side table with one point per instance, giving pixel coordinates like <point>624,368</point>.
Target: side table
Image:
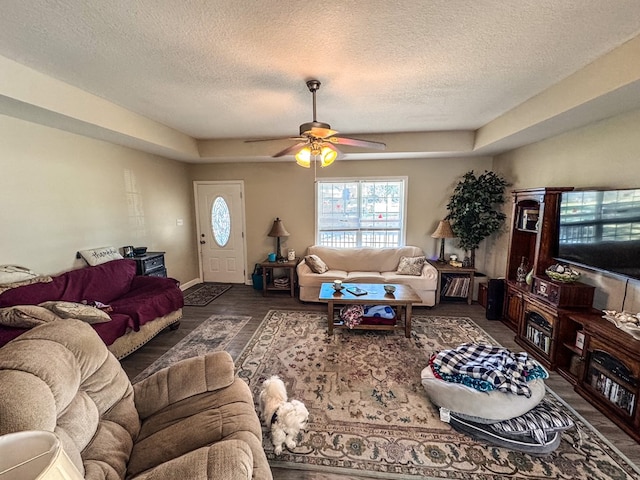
<point>446,270</point>
<point>288,266</point>
<point>150,264</point>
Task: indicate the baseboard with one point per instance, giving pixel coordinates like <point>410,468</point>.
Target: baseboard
<point>189,284</point>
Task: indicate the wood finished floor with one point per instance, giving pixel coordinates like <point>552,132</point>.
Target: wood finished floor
<point>244,300</point>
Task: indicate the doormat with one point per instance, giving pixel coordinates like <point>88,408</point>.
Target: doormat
<point>212,335</point>
<point>370,415</point>
<point>205,294</point>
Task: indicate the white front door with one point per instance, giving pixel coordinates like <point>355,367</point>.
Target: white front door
<point>220,230</point>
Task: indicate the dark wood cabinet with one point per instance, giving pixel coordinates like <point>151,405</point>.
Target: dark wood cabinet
<point>606,370</point>
<point>151,264</point>
<point>535,241</point>
<point>555,322</point>
<point>513,305</point>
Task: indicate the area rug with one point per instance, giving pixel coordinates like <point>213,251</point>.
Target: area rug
<point>205,294</point>
<point>369,414</point>
<point>213,334</point>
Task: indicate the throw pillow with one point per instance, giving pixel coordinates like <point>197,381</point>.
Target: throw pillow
<point>15,273</point>
<point>316,264</point>
<point>8,286</point>
<point>83,312</point>
<point>96,256</point>
<point>26,316</point>
<point>411,265</point>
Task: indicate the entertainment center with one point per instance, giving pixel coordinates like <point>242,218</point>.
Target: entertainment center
<point>556,322</point>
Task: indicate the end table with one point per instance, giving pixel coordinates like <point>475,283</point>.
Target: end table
<point>446,270</point>
<point>288,266</point>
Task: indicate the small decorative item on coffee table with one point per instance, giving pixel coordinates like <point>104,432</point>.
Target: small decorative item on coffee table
<point>403,297</point>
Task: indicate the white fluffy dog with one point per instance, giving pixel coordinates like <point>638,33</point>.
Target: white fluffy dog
<point>286,419</point>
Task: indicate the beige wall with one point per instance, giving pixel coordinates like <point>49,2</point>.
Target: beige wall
<point>285,190</point>
<point>604,154</point>
<point>62,192</point>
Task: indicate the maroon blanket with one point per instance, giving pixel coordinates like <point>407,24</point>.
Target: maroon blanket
<point>135,300</point>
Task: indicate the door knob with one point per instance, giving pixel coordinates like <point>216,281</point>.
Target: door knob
<point>202,242</point>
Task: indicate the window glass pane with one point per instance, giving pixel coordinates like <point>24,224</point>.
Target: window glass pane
<point>361,213</point>
<point>220,221</point>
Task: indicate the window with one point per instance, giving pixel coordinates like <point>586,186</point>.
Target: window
<point>361,213</point>
<point>220,221</point>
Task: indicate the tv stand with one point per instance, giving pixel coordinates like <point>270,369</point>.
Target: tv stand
<point>604,366</point>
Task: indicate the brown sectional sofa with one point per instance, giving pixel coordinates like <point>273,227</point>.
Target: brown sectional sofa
<point>194,419</point>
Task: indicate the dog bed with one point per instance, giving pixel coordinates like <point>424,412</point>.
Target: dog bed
<point>476,406</point>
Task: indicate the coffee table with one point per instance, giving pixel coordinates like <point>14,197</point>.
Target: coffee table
<point>402,299</point>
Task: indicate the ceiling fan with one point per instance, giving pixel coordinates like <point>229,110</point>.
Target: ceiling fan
<point>318,141</point>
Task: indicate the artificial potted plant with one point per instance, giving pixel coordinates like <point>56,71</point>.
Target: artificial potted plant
<point>474,209</point>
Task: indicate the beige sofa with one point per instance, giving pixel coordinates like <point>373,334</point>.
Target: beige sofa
<point>194,419</point>
<point>366,265</point>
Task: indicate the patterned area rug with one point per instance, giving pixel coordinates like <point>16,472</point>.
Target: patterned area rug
<point>213,334</point>
<point>205,294</point>
<point>369,414</point>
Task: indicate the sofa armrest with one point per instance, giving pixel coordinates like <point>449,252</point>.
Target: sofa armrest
<point>303,269</point>
<point>429,271</point>
<point>230,459</point>
<point>193,376</point>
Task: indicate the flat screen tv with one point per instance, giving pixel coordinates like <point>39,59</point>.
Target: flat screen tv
<point>600,229</point>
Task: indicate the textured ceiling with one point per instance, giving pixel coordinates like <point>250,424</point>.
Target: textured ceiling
<point>236,69</point>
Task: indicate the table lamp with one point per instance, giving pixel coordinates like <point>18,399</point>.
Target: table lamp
<point>278,230</point>
<point>35,455</point>
<point>443,231</point>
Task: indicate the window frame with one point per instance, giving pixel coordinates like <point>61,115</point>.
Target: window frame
<point>405,187</point>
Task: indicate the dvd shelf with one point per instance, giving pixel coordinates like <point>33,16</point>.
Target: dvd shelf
<point>539,332</point>
<point>612,380</point>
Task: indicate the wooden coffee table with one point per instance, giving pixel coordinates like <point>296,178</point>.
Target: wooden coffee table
<point>402,299</point>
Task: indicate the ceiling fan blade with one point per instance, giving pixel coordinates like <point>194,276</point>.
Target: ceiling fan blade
<point>356,142</point>
<point>290,150</point>
<point>274,138</point>
<point>321,132</point>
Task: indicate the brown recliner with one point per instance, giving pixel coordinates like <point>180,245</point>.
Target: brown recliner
<point>194,419</point>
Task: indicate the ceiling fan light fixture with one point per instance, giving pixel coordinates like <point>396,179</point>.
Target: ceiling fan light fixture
<point>327,156</point>
<point>303,157</point>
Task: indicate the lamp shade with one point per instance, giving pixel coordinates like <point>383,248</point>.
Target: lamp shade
<point>443,230</point>
<point>303,157</point>
<point>35,455</point>
<point>278,230</point>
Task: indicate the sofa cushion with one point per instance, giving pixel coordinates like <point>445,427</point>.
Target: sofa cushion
<point>80,311</point>
<point>316,264</point>
<point>89,284</point>
<point>411,265</point>
<point>26,316</point>
<point>363,277</point>
<point>147,299</point>
<point>197,421</point>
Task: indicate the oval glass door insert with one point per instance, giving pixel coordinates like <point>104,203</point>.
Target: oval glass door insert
<point>220,221</point>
